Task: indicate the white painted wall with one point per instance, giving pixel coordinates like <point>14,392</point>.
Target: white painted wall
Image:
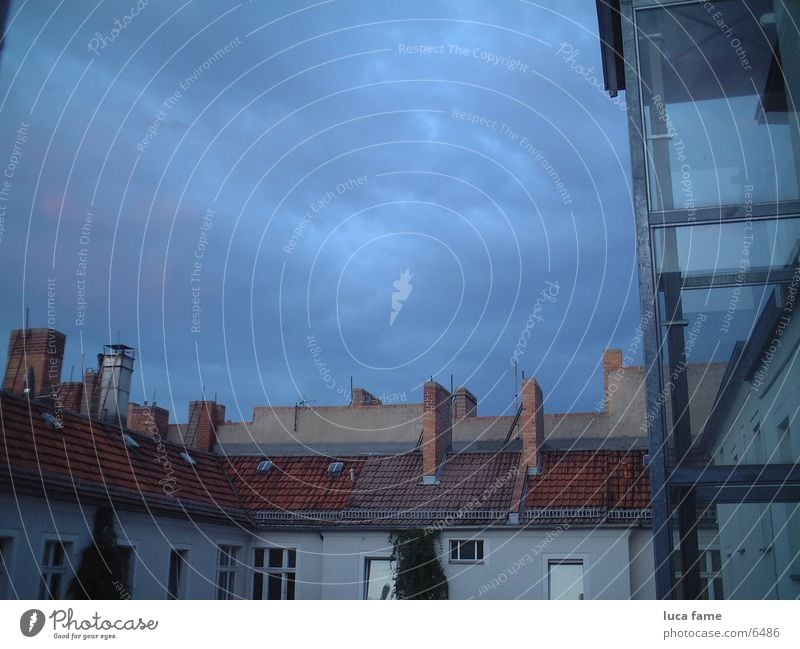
<point>618,563</point>
<point>30,521</point>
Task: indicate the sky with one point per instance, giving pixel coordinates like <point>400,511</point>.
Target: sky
<point>266,199</point>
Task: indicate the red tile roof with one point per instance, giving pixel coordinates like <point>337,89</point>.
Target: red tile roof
<point>608,479</point>
<point>294,483</point>
<point>85,451</point>
<point>467,481</point>
<point>90,455</point>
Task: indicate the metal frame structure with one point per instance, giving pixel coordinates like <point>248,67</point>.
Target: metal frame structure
<point>676,490</point>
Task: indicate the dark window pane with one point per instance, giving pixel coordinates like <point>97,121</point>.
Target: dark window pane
<point>479,550</point>
<point>289,585</point>
<point>274,583</point>
<point>276,558</point>
<point>259,559</point>
<point>715,560</point>
<point>258,585</point>
<point>468,550</point>
<point>453,550</point>
<point>292,558</point>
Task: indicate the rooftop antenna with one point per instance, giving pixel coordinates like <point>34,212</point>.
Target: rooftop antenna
<point>451,384</point>
<point>516,387</point>
<point>27,317</point>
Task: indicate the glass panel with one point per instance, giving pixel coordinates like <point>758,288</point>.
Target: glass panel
<point>468,551</point>
<point>720,95</point>
<point>479,550</point>
<point>290,585</point>
<point>259,558</point>
<point>175,574</point>
<point>258,585</point>
<point>274,585</point>
<point>454,550</point>
<point>276,558</point>
<point>292,562</point>
<point>727,297</point>
<point>380,578</point>
<point>126,566</point>
<point>565,579</point>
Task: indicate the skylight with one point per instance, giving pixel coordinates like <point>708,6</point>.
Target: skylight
<point>335,468</point>
<point>265,466</point>
<point>129,441</point>
<point>52,420</point>
<point>188,458</point>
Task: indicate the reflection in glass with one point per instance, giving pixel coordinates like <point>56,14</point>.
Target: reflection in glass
<point>565,579</point>
<point>719,95</point>
<point>733,289</point>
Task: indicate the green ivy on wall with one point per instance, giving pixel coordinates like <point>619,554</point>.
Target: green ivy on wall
<point>418,571</point>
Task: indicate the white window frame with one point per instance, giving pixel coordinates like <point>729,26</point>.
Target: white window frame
<point>366,563</point>
<point>582,558</point>
<point>230,569</point>
<point>283,571</point>
<point>183,576</point>
<point>455,544</point>
<point>47,571</point>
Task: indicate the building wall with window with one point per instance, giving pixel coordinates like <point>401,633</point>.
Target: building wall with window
<point>617,563</point>
<point>27,523</point>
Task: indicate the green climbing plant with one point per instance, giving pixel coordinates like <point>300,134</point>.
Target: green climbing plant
<point>100,573</point>
<point>418,571</point>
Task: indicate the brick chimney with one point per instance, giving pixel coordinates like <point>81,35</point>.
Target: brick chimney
<point>204,418</point>
<point>34,364</point>
<point>437,430</point>
<point>531,430</point>
<point>70,396</point>
<point>148,420</point>
<point>362,398</point>
<point>464,404</point>
<point>612,362</point>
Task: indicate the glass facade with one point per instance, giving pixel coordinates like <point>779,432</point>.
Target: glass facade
<point>713,95</point>
<point>719,83</point>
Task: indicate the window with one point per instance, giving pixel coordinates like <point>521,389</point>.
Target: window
<point>710,573</point>
<point>126,554</point>
<point>5,556</point>
<point>565,579</point>
<point>227,569</point>
<point>378,578</point>
<point>274,575</point>
<point>720,110</point>
<point>177,570</point>
<point>54,568</point>
<point>466,551</point>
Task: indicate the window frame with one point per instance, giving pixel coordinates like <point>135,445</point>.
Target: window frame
<point>554,560</point>
<point>229,571</point>
<point>7,542</point>
<point>182,577</point>
<point>265,573</point>
<point>367,560</point>
<point>48,571</point>
<point>456,544</point>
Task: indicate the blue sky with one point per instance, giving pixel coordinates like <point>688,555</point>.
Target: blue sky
<point>298,158</point>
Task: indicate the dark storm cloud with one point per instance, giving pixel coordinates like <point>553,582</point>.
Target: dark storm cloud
<point>333,156</point>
